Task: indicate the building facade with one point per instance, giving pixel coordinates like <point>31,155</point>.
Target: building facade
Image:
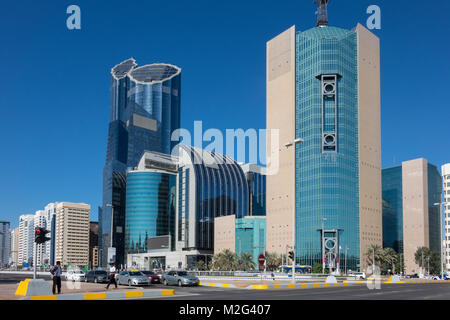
<point>256,180</point>
<point>411,218</point>
<point>26,239</point>
<point>72,234</point>
<point>241,235</point>
<point>145,110</point>
<point>14,255</point>
<point>207,185</point>
<point>323,86</point>
<point>5,243</point>
<point>445,170</point>
<point>93,244</point>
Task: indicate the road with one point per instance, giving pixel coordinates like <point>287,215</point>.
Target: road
<point>422,291</point>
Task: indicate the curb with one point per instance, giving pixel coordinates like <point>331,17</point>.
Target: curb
<point>104,295</point>
<point>294,286</point>
<point>220,285</point>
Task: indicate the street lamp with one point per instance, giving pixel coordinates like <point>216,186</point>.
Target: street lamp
<point>287,145</point>
<point>441,240</point>
<point>323,245</point>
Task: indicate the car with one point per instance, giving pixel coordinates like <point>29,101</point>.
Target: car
<point>358,275</point>
<point>96,276</point>
<point>180,278</point>
<point>132,278</point>
<point>75,275</point>
<point>152,276</point>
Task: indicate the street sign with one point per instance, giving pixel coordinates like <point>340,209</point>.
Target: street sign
<point>261,259</point>
<point>26,265</point>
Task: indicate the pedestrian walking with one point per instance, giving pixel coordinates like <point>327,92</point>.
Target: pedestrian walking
<point>112,276</point>
<point>56,272</point>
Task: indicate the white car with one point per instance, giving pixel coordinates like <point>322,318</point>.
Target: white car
<point>359,275</point>
<point>75,275</point>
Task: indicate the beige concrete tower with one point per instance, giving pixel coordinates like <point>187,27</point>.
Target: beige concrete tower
<point>280,116</point>
<point>369,107</point>
<point>72,233</point>
<point>415,210</point>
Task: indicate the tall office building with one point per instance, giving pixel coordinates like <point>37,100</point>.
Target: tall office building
<point>145,110</point>
<point>323,86</point>
<point>14,252</point>
<point>26,239</point>
<point>5,243</point>
<point>93,244</point>
<point>410,217</point>
<point>256,180</point>
<point>446,203</point>
<point>50,216</point>
<point>72,234</point>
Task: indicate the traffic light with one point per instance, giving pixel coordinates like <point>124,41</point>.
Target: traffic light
<point>39,235</point>
<point>291,255</point>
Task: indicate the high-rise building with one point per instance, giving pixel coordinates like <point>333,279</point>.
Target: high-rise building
<point>14,256</point>
<point>323,86</point>
<point>410,217</point>
<point>256,180</point>
<point>5,243</point>
<point>93,244</point>
<point>50,213</point>
<point>26,239</point>
<point>145,110</point>
<point>72,234</point>
<point>446,220</point>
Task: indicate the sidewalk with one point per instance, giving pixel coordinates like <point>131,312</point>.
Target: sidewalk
<point>7,291</point>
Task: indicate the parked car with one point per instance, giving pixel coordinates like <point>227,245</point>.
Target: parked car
<point>180,278</point>
<point>132,278</point>
<point>96,276</point>
<point>75,275</point>
<point>153,277</point>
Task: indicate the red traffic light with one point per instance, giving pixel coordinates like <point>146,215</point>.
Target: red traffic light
<point>38,231</point>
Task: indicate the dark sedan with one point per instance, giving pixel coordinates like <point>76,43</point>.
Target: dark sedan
<point>96,276</point>
<point>153,277</point>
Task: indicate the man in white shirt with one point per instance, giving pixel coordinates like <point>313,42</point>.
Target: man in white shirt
<point>112,276</point>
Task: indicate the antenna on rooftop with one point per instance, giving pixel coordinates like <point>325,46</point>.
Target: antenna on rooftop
<point>322,17</point>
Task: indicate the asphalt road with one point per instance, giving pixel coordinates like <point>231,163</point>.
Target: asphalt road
<point>429,291</point>
<point>422,291</point>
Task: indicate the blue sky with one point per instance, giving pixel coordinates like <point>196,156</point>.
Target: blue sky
<point>55,82</point>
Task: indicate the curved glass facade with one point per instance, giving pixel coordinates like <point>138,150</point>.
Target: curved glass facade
<point>220,190</point>
<point>327,183</point>
<point>145,110</point>
<point>150,208</point>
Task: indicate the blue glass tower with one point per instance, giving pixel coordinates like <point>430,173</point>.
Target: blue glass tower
<point>145,110</point>
<point>323,97</point>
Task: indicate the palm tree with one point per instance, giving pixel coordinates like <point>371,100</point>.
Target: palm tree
<point>200,265</point>
<point>246,261</point>
<point>273,261</point>
<point>421,256</point>
<point>374,252</point>
<point>225,261</point>
<point>388,257</point>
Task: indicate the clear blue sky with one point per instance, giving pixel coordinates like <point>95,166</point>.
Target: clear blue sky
<point>55,82</point>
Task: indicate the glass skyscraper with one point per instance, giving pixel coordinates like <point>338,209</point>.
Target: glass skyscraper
<point>145,110</point>
<point>323,86</point>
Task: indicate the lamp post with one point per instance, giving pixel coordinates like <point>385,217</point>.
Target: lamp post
<point>441,240</point>
<point>287,145</point>
<point>323,245</point>
<point>346,249</point>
